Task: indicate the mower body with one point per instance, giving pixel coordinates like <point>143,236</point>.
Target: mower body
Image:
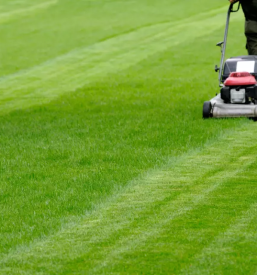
<point>238,93</point>
<point>237,80</point>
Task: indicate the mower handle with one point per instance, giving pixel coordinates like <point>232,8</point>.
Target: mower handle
<point>223,44</point>
<point>231,7</point>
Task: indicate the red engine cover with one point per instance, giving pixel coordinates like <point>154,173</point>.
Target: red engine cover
<point>240,79</point>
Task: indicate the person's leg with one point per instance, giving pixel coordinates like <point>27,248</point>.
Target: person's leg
<point>251,37</point>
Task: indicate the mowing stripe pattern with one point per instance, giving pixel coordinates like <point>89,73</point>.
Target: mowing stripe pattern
<point>148,212</point>
<point>240,235</point>
<point>43,83</point>
<point>194,215</point>
<point>14,14</point>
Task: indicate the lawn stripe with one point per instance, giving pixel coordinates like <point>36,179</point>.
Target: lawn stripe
<point>14,14</point>
<point>142,211</point>
<point>226,250</point>
<point>206,184</point>
<point>40,84</point>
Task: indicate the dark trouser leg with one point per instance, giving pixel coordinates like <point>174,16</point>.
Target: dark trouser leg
<point>251,37</point>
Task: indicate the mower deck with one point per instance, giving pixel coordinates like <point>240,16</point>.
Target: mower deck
<point>218,109</point>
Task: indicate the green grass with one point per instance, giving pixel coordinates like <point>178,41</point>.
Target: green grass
<point>59,75</point>
<point>106,164</point>
<point>166,222</point>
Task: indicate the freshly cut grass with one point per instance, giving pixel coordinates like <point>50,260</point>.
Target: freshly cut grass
<point>62,159</point>
<point>65,151</point>
<point>82,66</point>
<point>70,25</point>
<point>232,251</point>
<point>161,223</point>
<point>26,10</point>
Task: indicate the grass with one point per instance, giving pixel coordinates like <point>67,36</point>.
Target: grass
<point>52,78</point>
<point>175,220</point>
<point>97,96</point>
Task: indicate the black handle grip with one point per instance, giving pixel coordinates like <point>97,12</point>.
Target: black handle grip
<point>232,5</point>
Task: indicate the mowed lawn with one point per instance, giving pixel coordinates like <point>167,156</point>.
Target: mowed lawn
<point>106,164</point>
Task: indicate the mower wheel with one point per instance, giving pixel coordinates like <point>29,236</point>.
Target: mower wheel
<point>253,118</point>
<point>206,109</point>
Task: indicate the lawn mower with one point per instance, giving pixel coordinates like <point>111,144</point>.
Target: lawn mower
<point>237,81</point>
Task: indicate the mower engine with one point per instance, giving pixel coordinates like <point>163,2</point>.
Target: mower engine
<point>239,88</point>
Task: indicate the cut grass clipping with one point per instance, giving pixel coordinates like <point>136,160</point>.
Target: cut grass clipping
<point>106,164</point>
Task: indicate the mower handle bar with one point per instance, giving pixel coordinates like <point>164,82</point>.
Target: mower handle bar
<point>223,44</point>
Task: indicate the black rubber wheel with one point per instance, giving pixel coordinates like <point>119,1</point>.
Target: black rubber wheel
<point>206,109</point>
<point>253,118</point>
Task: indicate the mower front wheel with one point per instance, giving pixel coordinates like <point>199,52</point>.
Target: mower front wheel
<point>206,109</point>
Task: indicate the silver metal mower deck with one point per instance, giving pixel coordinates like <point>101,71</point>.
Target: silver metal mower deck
<point>220,109</point>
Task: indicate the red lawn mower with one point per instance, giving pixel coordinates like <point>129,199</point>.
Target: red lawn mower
<point>237,80</point>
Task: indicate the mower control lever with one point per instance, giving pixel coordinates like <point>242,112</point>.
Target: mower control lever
<point>220,44</point>
<point>216,68</point>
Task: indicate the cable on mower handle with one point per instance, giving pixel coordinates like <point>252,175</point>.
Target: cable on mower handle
<point>223,44</point>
